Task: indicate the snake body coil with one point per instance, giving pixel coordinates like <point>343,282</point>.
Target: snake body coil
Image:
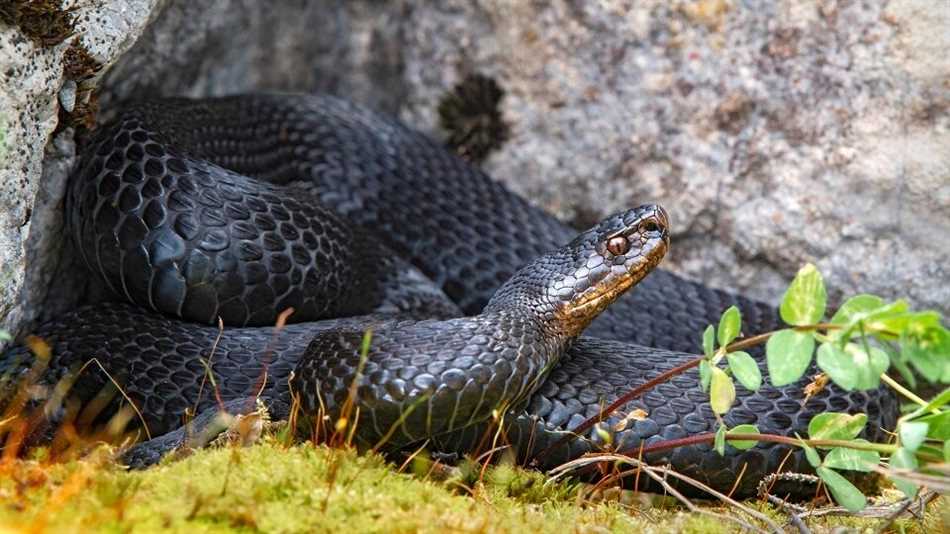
<point>193,210</point>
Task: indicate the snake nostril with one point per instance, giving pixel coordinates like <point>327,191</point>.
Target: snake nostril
<point>650,226</point>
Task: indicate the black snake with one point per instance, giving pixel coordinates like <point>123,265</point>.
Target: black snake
<point>242,207</point>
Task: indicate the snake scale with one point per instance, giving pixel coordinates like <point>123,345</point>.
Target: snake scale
<point>241,207</point>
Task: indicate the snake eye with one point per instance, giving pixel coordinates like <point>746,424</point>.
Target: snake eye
<point>618,246</point>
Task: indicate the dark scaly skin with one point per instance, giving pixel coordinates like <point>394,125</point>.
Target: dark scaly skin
<point>459,370</point>
<point>156,360</point>
<point>190,239</point>
<point>596,371</point>
<point>463,230</point>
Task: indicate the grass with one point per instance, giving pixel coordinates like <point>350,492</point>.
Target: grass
<point>272,488</point>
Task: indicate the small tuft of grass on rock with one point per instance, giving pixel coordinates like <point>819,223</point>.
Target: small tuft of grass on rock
<point>78,63</point>
<point>471,117</point>
<point>45,22</point>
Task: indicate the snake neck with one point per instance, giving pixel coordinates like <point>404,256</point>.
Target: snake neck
<point>539,291</point>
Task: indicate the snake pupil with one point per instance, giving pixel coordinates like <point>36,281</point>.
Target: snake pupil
<point>618,246</point>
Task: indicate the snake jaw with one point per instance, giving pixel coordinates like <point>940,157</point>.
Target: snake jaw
<point>577,315</point>
<point>648,236</point>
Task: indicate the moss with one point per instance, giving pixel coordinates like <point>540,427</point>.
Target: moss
<point>303,488</point>
<point>45,22</point>
<point>471,117</point>
<point>84,113</point>
<point>78,63</point>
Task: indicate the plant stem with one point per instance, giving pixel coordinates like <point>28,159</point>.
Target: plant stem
<point>750,341</point>
<point>905,392</point>
<point>773,438</point>
<point>664,377</point>
<point>709,438</point>
<point>623,399</point>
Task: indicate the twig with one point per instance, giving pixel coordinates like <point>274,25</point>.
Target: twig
<point>722,497</point>
<point>922,500</point>
<point>874,511</point>
<point>122,391</point>
<point>664,377</point>
<point>652,472</point>
<point>772,438</point>
<point>793,511</point>
<point>623,399</point>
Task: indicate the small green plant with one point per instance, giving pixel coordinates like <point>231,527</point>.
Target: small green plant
<point>855,349</point>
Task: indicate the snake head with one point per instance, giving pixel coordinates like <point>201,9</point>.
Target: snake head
<point>570,286</point>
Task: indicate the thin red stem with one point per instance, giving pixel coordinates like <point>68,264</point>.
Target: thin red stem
<point>629,396</point>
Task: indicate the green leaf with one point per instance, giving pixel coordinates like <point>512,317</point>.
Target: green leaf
<point>851,313</point>
<point>810,453</point>
<point>704,374</point>
<point>743,444</point>
<point>912,434</point>
<point>929,352</point>
<point>709,340</point>
<point>804,301</point>
<point>719,444</point>
<point>939,425</point>
<point>939,401</point>
<point>729,325</point>
<point>856,307</point>
<point>722,392</point>
<point>843,491</point>
<point>903,369</point>
<point>853,368</point>
<point>946,451</point>
<point>886,321</point>
<point>904,459</point>
<point>852,459</point>
<point>745,369</point>
<point>893,320</point>
<point>833,425</point>
<point>788,354</point>
<point>920,322</point>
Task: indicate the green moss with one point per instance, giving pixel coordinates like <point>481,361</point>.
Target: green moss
<point>315,489</point>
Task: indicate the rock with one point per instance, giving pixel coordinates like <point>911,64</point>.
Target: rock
<point>39,48</point>
<point>775,132</point>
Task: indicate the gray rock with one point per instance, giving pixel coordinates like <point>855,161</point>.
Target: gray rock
<point>34,163</point>
<point>775,132</point>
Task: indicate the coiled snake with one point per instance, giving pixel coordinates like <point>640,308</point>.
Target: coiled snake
<point>242,207</point>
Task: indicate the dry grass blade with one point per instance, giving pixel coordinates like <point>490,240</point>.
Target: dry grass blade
<point>908,506</point>
<point>398,424</point>
<point>209,374</point>
<point>939,483</point>
<point>657,474</point>
<point>121,391</point>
